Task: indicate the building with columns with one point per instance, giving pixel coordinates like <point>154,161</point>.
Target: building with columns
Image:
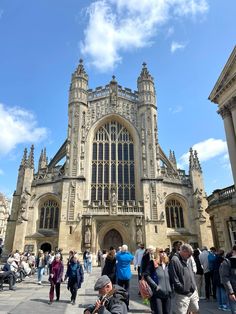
<point>222,203</point>
<point>110,181</point>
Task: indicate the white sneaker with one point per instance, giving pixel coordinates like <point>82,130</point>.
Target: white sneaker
<point>39,283</point>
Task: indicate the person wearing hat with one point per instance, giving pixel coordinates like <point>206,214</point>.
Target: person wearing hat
<point>75,273</point>
<point>113,298</point>
<point>55,278</point>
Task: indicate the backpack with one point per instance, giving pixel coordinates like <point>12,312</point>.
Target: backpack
<point>145,289</point>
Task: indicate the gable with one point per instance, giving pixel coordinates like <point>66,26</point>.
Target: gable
<point>227,75</point>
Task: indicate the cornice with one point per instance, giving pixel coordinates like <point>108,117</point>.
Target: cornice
<point>224,81</point>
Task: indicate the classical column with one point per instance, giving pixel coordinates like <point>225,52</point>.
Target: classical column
<point>230,137</point>
<point>232,108</point>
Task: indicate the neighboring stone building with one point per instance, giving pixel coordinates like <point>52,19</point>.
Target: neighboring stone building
<point>4,214</point>
<point>110,182</point>
<point>222,203</point>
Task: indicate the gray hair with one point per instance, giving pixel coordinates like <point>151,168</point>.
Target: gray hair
<point>186,247</point>
<point>124,248</point>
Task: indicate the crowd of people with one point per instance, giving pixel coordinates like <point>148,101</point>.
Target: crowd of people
<point>175,279</point>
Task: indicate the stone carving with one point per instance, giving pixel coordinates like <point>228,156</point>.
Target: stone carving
<point>87,236</point>
<point>139,221</point>
<point>113,199</point>
<point>139,236</point>
<point>23,206</point>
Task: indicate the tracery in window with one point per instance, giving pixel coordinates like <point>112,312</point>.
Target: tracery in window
<point>113,163</point>
<point>174,214</point>
<point>49,215</point>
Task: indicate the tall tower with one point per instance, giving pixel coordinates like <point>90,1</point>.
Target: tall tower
<point>78,105</point>
<point>147,114</point>
<point>199,199</point>
<point>17,225</point>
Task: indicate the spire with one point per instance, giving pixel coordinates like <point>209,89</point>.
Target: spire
<point>194,163</point>
<point>80,71</point>
<point>197,162</point>
<point>43,160</point>
<point>24,159</point>
<point>145,75</point>
<point>172,157</point>
<point>31,158</point>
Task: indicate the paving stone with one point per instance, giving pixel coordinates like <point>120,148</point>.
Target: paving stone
<point>30,297</point>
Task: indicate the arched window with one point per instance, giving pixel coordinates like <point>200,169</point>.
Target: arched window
<point>49,215</point>
<point>174,214</point>
<point>113,163</point>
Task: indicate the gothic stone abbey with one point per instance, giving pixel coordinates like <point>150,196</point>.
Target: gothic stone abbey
<point>110,182</point>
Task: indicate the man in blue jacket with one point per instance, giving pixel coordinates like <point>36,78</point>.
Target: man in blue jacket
<point>123,269</point>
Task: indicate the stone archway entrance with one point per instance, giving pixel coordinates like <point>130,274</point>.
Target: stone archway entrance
<point>46,247</point>
<point>112,238</point>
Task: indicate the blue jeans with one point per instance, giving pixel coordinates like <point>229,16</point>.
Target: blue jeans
<point>232,305</point>
<point>89,267</point>
<point>40,273</point>
<point>221,296</point>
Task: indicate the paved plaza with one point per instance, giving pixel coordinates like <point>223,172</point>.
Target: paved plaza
<point>32,298</point>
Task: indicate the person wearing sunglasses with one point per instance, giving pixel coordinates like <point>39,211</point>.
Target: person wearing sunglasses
<point>157,276</point>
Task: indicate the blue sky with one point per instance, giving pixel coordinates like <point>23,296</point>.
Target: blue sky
<point>185,44</point>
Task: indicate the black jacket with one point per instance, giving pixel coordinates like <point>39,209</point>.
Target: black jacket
<point>181,275</point>
<point>162,289</point>
<point>109,269</point>
<point>117,304</point>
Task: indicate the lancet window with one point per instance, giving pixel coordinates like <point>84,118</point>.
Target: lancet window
<point>174,214</point>
<point>112,163</point>
<point>49,215</point>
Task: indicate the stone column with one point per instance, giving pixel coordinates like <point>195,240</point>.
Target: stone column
<point>230,137</point>
<point>232,108</point>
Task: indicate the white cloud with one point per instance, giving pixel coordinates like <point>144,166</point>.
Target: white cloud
<point>206,150</point>
<point>175,109</point>
<point>175,46</point>
<point>1,172</point>
<point>120,25</point>
<point>170,31</point>
<point>17,126</point>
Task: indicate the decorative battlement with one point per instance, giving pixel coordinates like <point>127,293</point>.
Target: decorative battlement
<point>123,208</point>
<point>104,91</point>
<point>44,175</point>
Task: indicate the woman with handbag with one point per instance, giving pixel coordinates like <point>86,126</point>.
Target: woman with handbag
<point>157,277</point>
<point>55,278</point>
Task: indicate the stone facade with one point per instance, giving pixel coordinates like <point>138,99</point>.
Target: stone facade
<point>222,203</point>
<point>4,214</point>
<point>110,182</point>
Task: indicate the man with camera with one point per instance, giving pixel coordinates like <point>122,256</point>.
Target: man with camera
<point>113,298</point>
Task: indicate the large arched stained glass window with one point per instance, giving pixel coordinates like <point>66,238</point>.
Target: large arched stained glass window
<point>112,163</point>
<point>174,214</point>
<point>49,215</point>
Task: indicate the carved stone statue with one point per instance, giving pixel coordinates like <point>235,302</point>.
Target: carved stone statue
<point>113,199</point>
<point>139,235</point>
<point>87,236</point>
<point>23,206</point>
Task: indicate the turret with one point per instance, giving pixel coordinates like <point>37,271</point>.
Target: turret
<point>113,89</point>
<point>172,159</point>
<point>195,171</point>
<point>30,160</point>
<point>43,160</point>
<point>79,85</point>
<point>23,160</point>
<point>146,88</point>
